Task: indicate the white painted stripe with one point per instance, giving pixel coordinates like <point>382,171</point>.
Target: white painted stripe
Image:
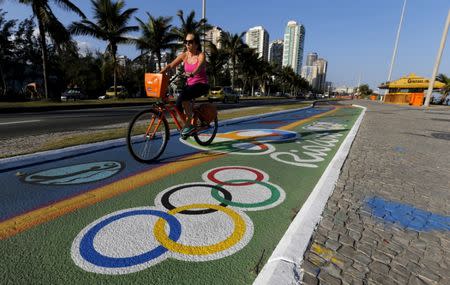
<point>20,122</point>
<point>283,266</point>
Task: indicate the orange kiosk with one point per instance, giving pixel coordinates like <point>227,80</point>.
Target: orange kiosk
<point>410,90</point>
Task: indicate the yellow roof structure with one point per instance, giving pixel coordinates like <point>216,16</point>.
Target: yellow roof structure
<point>411,81</point>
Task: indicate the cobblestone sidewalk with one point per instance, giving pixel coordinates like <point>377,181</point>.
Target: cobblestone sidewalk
<point>388,220</point>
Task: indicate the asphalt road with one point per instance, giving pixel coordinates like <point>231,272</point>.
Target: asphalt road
<point>35,123</point>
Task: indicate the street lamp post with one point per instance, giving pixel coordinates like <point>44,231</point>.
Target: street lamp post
<point>203,9</point>
<point>438,61</point>
<point>203,18</point>
<point>396,44</point>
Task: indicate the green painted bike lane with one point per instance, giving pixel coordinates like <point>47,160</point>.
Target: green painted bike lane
<point>219,221</point>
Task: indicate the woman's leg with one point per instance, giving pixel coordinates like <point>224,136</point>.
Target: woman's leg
<point>190,93</point>
<point>188,110</point>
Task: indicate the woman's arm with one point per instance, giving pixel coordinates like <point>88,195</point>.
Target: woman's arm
<point>174,63</point>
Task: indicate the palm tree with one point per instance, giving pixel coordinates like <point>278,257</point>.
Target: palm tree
<point>6,48</point>
<point>189,25</point>
<point>233,45</point>
<point>49,25</point>
<point>292,80</point>
<point>156,36</point>
<point>265,73</point>
<point>446,89</point>
<point>248,66</point>
<point>111,26</point>
<point>216,60</point>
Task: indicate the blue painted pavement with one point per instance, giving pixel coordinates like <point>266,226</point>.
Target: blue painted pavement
<point>407,216</point>
<point>33,185</point>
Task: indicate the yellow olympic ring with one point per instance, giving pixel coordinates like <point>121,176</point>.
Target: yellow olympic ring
<point>238,233</point>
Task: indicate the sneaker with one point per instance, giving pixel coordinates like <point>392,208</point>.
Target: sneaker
<point>187,130</point>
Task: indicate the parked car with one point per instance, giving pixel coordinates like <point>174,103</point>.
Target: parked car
<point>121,92</point>
<point>438,98</point>
<point>278,94</point>
<point>72,94</point>
<point>223,93</point>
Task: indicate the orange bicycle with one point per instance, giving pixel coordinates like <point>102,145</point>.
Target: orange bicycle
<point>149,131</point>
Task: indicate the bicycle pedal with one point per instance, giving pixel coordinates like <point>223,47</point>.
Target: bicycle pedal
<point>184,137</point>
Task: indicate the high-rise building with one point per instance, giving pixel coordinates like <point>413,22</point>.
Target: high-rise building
<point>312,56</point>
<point>122,60</point>
<point>322,65</point>
<point>294,40</point>
<point>214,36</point>
<point>276,52</point>
<point>328,86</point>
<point>309,73</point>
<point>258,39</point>
<point>315,72</point>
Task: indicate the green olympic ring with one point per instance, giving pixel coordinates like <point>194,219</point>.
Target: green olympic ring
<point>272,199</point>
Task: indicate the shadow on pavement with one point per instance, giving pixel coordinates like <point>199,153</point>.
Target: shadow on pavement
<point>441,120</point>
<point>441,135</point>
<point>437,135</point>
<point>304,134</point>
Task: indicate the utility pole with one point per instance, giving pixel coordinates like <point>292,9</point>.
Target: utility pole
<point>438,62</point>
<point>394,54</point>
<point>203,9</point>
<point>204,18</point>
<point>359,83</point>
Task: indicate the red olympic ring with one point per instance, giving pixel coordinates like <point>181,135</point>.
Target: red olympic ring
<point>259,176</point>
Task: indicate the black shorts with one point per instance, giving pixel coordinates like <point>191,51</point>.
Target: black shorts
<point>190,92</point>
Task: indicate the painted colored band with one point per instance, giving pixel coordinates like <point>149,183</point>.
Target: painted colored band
<point>90,254</point>
<point>165,199</point>
<point>211,176</point>
<point>275,195</point>
<point>172,245</point>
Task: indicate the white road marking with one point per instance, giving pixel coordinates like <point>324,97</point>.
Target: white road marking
<point>20,122</point>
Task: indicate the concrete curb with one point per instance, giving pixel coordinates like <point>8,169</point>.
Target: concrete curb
<point>284,263</point>
<point>52,155</point>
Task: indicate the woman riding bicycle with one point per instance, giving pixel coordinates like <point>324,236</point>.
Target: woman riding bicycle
<point>197,82</point>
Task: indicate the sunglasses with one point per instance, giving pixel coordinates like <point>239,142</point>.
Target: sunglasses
<point>189,42</point>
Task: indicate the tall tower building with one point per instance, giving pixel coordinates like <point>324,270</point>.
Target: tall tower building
<point>312,56</point>
<point>276,52</point>
<point>214,35</point>
<point>322,66</point>
<point>258,39</point>
<point>294,40</point>
<point>315,72</point>
<point>309,73</point>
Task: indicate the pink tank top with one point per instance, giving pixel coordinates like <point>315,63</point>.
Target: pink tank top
<point>200,77</point>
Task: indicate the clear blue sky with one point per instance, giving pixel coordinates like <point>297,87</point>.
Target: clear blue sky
<point>356,37</point>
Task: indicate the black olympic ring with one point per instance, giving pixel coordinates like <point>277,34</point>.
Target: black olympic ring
<point>165,199</point>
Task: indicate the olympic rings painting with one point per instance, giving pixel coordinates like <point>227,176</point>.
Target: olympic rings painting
<point>246,142</point>
<point>198,221</point>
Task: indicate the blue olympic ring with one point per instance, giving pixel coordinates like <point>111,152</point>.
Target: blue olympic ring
<point>89,253</point>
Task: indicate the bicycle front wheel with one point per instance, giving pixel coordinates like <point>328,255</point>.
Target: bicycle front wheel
<point>147,135</point>
<point>206,132</point>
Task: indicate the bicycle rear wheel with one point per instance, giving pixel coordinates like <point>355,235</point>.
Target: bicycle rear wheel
<point>147,135</point>
<point>206,132</point>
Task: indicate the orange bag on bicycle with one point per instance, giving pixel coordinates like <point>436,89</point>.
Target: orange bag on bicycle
<point>156,84</point>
